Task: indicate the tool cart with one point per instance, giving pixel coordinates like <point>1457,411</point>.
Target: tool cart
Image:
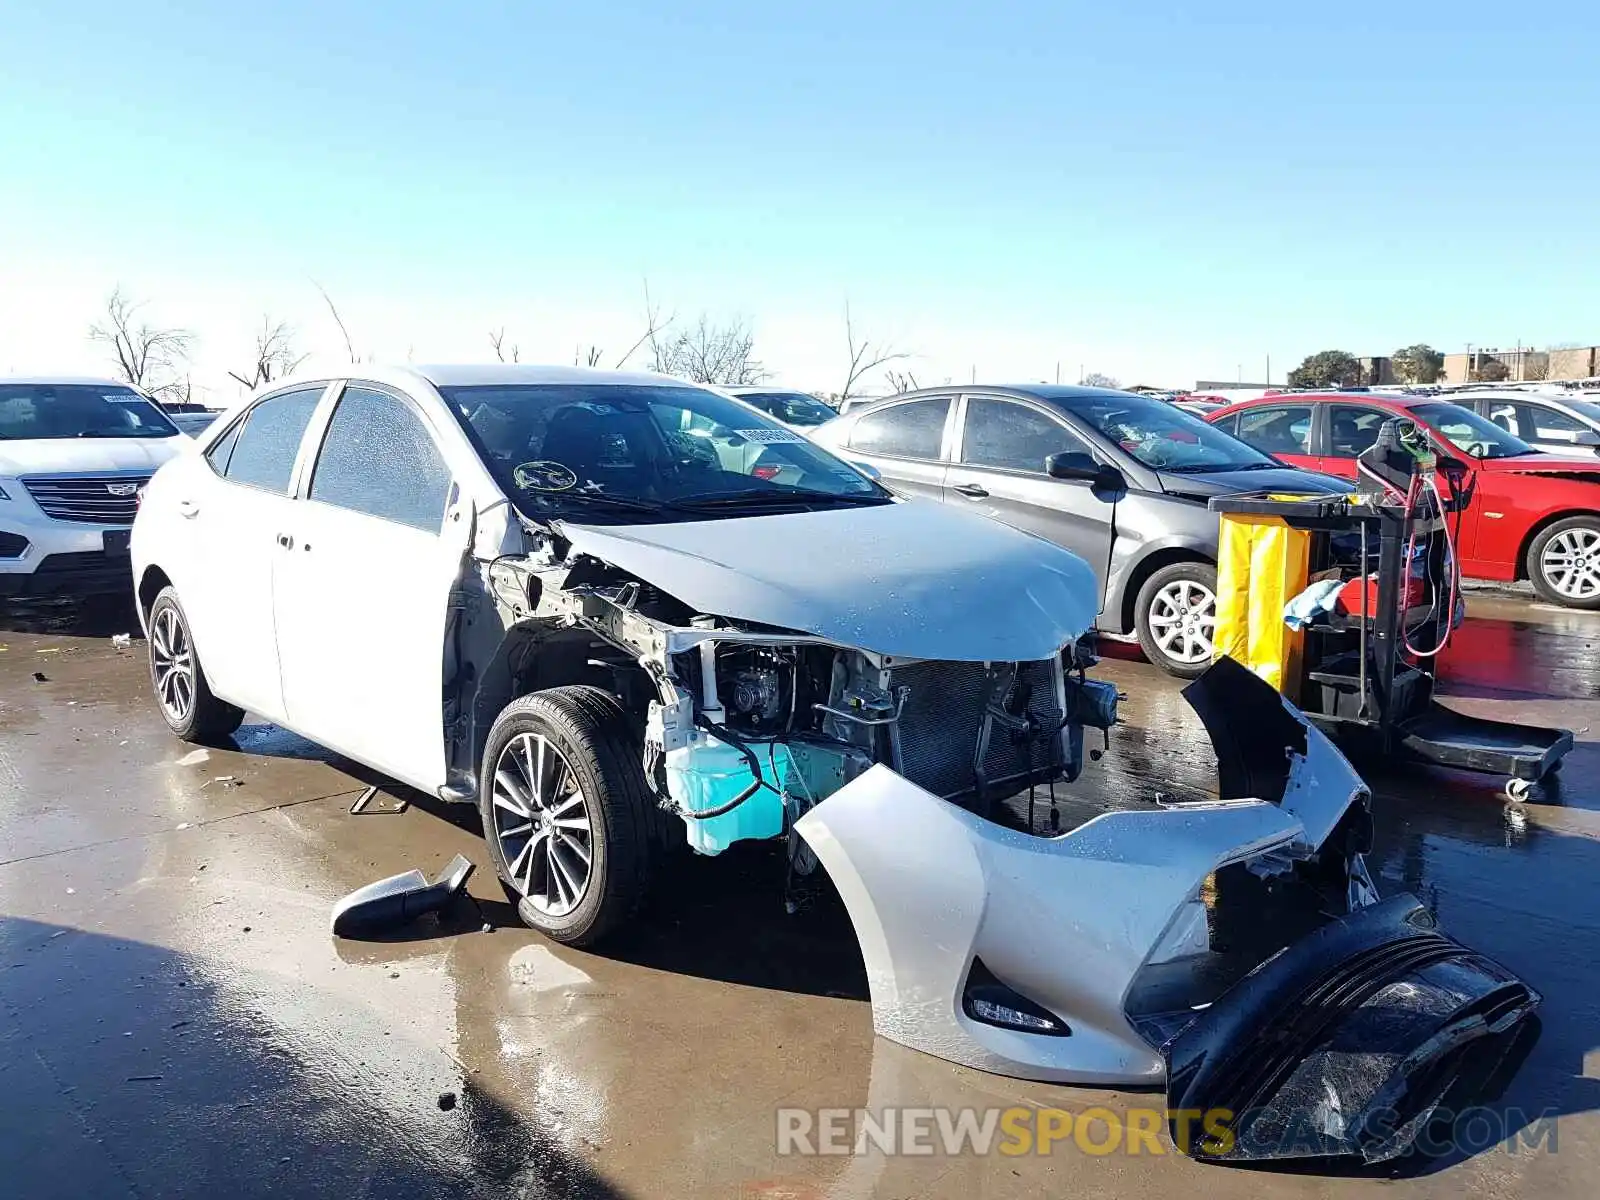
<point>1363,666</point>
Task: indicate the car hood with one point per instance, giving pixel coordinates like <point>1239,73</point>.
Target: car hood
<point>912,579</point>
<point>1206,484</point>
<point>1542,464</point>
<point>55,456</point>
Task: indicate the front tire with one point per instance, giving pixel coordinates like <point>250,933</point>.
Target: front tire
<point>1175,616</point>
<point>182,693</point>
<point>567,812</point>
<point>1564,563</point>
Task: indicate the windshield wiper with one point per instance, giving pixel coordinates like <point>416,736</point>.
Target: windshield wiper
<point>758,499</point>
<point>1198,468</point>
<point>606,500</point>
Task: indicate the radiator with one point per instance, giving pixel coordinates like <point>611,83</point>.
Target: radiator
<point>943,716</point>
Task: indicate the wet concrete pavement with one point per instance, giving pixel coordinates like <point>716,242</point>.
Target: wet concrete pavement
<point>175,1019</point>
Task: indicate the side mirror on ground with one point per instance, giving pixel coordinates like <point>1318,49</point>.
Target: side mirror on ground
<point>1075,464</point>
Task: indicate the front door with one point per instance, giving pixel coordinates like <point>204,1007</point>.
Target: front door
<point>999,472</point>
<point>237,514</point>
<point>363,597</point>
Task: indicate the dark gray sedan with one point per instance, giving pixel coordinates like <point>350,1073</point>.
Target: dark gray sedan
<point>1120,479</point>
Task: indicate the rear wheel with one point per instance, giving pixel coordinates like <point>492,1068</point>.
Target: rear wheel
<point>1175,617</point>
<point>182,693</point>
<point>1564,563</point>
<point>567,812</point>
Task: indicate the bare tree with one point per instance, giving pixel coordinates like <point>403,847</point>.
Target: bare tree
<point>1098,379</point>
<point>143,352</point>
<point>586,358</point>
<point>902,381</point>
<point>349,346</point>
<point>654,326</point>
<point>497,339</point>
<point>711,353</point>
<point>275,356</point>
<point>864,356</point>
<point>180,391</point>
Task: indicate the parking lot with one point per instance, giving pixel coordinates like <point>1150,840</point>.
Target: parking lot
<point>178,1020</point>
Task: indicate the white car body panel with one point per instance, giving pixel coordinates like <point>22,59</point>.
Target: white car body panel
<point>367,677</point>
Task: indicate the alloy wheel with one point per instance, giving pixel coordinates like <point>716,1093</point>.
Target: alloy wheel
<point>1183,618</point>
<point>172,664</point>
<point>542,824</point>
<point>1570,562</point>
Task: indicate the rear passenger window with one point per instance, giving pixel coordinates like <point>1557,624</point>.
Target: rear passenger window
<point>378,458</point>
<point>911,430</point>
<point>1277,430</point>
<point>263,451</point>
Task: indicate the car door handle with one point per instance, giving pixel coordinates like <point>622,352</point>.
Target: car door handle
<point>188,508</point>
<point>970,489</point>
<point>286,541</point>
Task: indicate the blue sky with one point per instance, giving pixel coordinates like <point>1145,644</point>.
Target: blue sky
<point>1160,193</point>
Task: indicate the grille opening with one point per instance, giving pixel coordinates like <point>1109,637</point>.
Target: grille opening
<point>108,499</point>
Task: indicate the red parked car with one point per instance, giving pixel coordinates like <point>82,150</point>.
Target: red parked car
<point>1533,515</point>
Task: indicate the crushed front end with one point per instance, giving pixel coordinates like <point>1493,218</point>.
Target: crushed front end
<point>1085,957</point>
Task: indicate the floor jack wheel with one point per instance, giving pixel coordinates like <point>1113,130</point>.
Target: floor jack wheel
<point>1518,789</point>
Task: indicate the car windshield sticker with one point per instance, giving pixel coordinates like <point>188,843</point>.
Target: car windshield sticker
<point>122,398</point>
<point>769,437</point>
<point>544,477</point>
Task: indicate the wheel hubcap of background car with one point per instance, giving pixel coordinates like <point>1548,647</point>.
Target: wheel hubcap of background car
<point>1183,617</point>
<point>541,822</point>
<point>173,662</point>
<point>1571,562</point>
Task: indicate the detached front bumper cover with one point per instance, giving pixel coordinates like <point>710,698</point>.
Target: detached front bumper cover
<point>1016,954</point>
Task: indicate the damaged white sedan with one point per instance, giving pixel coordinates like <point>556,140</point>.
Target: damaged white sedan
<point>621,613</point>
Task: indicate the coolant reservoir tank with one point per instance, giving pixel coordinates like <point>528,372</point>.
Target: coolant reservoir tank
<point>709,773</point>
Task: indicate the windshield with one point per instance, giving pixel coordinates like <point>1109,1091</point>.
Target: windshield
<point>793,408</point>
<point>1164,436</point>
<point>599,450</point>
<point>1475,435</point>
<point>61,410</point>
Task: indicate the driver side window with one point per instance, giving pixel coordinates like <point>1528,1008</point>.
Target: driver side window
<point>1353,431</point>
<point>1012,436</point>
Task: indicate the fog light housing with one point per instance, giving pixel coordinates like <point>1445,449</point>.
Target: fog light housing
<point>991,1002</point>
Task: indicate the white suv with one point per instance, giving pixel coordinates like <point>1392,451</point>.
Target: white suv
<point>74,453</point>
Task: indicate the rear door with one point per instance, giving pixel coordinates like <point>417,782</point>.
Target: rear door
<point>999,472</point>
<point>1281,430</point>
<point>363,602</point>
<point>236,514</point>
<point>905,442</point>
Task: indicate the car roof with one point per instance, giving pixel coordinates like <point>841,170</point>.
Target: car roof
<point>492,374</point>
<point>764,390</point>
<point>1057,393</point>
<point>67,381</point>
<point>1388,398</point>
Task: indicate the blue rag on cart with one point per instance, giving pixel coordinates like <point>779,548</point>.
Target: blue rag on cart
<point>1320,597</point>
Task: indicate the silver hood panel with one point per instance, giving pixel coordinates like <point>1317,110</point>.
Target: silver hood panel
<point>912,579</point>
